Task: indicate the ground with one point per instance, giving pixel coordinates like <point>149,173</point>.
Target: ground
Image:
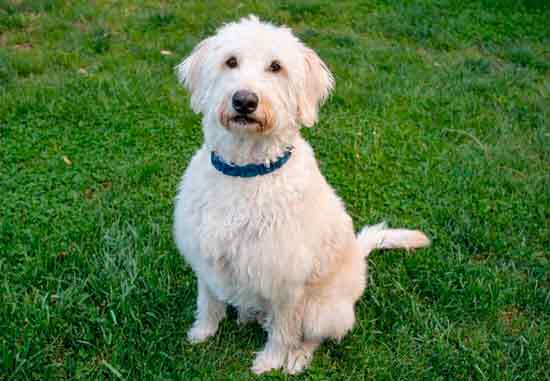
<point>440,121</point>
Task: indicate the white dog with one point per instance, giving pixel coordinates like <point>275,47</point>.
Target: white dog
<point>254,216</point>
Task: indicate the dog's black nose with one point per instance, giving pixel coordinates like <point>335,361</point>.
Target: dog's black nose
<point>245,102</point>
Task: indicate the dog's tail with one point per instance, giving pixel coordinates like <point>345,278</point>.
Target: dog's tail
<point>380,237</point>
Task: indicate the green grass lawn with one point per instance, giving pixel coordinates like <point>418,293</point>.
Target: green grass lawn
<point>440,120</point>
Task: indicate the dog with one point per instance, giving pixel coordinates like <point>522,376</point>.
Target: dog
<point>254,217</point>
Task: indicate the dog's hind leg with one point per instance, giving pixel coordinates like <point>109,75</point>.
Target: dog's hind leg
<point>329,319</point>
<point>210,312</point>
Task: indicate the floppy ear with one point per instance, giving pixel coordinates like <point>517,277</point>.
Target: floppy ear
<point>190,72</point>
<point>318,83</point>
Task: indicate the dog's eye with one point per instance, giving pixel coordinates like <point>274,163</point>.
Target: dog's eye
<point>275,67</point>
<point>231,63</point>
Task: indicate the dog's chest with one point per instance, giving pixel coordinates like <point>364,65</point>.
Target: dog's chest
<point>246,233</point>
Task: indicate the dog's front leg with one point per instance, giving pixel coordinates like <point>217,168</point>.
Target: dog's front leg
<point>284,326</point>
<point>210,312</point>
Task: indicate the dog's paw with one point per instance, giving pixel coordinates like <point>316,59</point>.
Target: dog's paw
<point>199,333</point>
<point>298,360</point>
<point>266,361</point>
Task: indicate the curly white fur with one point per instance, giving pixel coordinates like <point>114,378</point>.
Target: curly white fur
<point>280,245</point>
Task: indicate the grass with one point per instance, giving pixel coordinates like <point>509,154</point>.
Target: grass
<point>440,120</point>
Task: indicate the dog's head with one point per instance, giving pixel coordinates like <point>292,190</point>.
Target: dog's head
<point>255,78</point>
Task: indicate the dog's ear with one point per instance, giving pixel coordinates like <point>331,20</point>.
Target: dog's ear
<point>190,72</point>
<point>318,83</point>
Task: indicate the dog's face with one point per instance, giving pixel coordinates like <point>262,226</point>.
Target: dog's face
<point>255,78</point>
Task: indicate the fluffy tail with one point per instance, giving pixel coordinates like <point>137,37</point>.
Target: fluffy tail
<point>380,237</point>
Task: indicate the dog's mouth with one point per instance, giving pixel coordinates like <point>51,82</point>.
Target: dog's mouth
<point>258,122</point>
<point>244,121</point>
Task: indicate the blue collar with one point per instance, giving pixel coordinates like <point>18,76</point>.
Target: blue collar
<point>248,170</point>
